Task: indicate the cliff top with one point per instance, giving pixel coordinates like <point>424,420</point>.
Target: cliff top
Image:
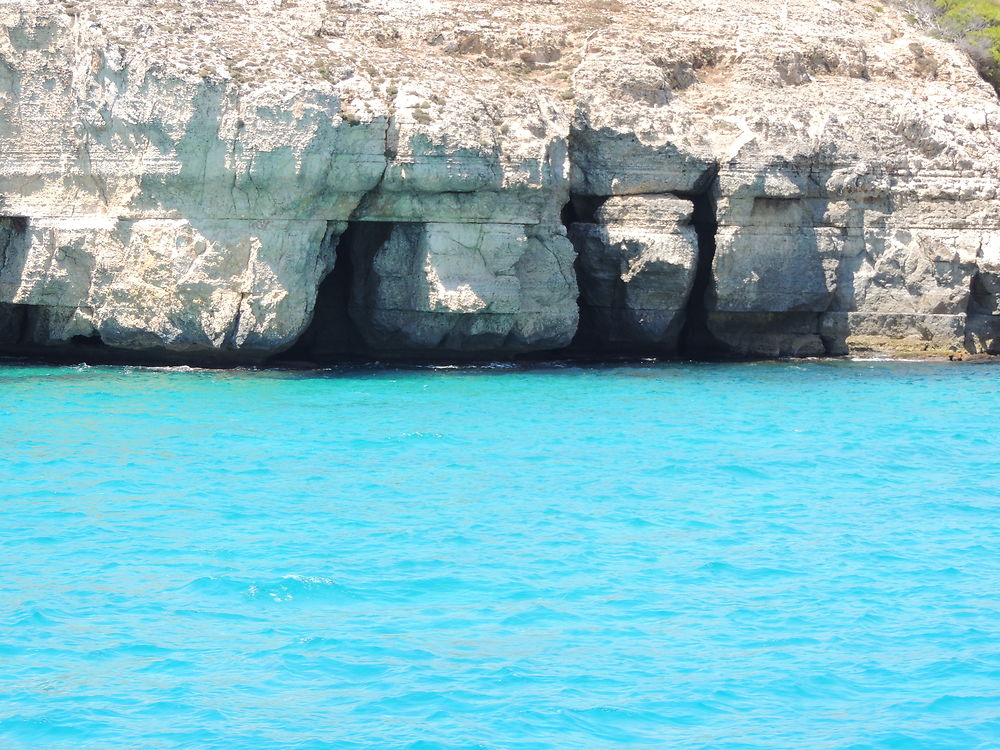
<point>530,44</point>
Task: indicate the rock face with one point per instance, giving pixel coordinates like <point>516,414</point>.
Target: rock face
<point>460,289</point>
<point>317,180</point>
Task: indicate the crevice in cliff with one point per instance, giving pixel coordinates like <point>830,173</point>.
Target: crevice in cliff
<point>587,341</point>
<point>981,301</point>
<point>390,151</point>
<point>696,339</point>
<point>333,335</point>
<point>229,341</point>
<point>582,209</point>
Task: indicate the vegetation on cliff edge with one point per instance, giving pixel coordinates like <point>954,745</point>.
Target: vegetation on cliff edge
<point>973,24</point>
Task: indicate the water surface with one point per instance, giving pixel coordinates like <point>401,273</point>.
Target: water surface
<point>780,555</point>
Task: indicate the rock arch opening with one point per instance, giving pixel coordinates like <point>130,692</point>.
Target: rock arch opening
<point>644,269</point>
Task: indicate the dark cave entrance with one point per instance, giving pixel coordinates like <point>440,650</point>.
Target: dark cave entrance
<point>25,331</point>
<point>333,334</point>
<point>18,323</point>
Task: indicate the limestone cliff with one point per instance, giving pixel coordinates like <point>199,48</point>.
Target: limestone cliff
<point>241,180</point>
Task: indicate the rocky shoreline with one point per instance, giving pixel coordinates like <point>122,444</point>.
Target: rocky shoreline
<point>79,355</point>
<point>348,181</point>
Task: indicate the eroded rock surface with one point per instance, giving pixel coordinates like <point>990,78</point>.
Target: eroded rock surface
<point>254,179</point>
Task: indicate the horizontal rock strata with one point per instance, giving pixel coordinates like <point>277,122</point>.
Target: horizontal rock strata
<point>258,181</point>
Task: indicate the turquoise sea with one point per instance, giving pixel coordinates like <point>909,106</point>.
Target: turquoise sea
<point>769,556</point>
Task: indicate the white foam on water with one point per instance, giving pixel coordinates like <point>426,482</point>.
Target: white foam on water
<point>890,359</point>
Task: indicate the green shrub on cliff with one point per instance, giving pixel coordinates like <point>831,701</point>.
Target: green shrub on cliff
<point>973,24</point>
<point>978,22</point>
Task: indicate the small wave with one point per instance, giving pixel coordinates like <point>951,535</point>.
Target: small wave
<point>963,703</point>
<point>169,666</point>
<point>149,650</point>
<point>310,580</point>
<point>287,588</point>
<point>890,359</point>
<point>539,614</point>
<point>471,366</point>
<point>35,618</point>
<point>168,368</point>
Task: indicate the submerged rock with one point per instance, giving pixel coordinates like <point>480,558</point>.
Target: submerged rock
<point>334,179</point>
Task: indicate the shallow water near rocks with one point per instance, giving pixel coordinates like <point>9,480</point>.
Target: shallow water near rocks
<point>774,555</point>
